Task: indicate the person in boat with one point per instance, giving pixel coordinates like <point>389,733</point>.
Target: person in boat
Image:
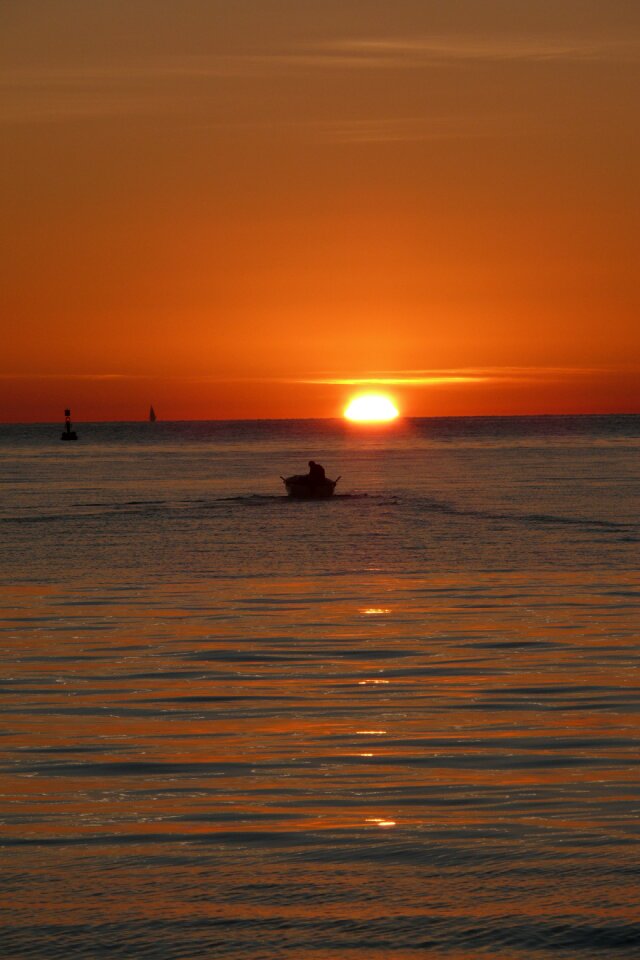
<point>316,472</point>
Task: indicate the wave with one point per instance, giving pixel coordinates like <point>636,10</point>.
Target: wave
<point>530,519</point>
<point>408,510</point>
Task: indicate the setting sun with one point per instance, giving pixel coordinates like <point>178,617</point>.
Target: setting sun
<point>371,407</point>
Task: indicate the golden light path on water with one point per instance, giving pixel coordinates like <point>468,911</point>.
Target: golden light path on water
<point>396,723</point>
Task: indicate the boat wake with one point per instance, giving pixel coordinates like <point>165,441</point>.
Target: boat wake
<point>530,519</point>
<point>423,507</point>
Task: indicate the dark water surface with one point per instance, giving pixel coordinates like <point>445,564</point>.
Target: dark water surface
<point>401,723</point>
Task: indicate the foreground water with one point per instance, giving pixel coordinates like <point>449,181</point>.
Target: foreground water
<point>400,723</point>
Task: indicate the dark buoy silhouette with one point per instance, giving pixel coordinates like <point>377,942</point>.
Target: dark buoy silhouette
<point>68,433</point>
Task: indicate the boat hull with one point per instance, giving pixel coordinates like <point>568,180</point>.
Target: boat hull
<point>301,488</point>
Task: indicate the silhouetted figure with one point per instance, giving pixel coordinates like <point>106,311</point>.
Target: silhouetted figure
<point>68,433</point>
<point>314,485</point>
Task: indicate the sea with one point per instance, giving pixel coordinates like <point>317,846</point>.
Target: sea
<point>400,723</point>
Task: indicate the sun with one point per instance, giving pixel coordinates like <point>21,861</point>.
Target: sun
<point>371,408</point>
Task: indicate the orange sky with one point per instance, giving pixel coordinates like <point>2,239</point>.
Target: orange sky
<point>249,208</point>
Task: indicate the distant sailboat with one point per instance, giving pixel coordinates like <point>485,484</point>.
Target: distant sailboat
<point>152,415</point>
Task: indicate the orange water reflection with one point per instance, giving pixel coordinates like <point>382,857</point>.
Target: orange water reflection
<point>206,718</point>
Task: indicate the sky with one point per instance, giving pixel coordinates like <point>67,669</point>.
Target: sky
<point>259,208</point>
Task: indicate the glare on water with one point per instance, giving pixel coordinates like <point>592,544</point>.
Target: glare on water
<point>402,721</point>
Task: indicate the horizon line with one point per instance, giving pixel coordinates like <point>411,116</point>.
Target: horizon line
<point>387,424</point>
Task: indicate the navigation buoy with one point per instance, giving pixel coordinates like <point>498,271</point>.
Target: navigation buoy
<point>68,433</point>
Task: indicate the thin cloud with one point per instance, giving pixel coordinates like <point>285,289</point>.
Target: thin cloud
<point>67,376</point>
<point>397,381</point>
<point>442,49</point>
<point>129,88</point>
<point>475,375</point>
<point>166,85</point>
<point>396,378</point>
<point>408,129</point>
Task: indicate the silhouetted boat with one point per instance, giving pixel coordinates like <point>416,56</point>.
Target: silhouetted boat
<point>300,487</point>
<point>152,415</point>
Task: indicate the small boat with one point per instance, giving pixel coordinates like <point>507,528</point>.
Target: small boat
<point>301,487</point>
<point>152,415</point>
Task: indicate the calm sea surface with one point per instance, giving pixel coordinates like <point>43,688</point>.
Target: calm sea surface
<point>402,723</point>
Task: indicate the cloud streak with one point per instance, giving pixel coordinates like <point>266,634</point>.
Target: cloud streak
<point>396,378</point>
<point>423,51</point>
<point>165,84</point>
<point>469,376</point>
<point>67,376</point>
<point>408,129</point>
